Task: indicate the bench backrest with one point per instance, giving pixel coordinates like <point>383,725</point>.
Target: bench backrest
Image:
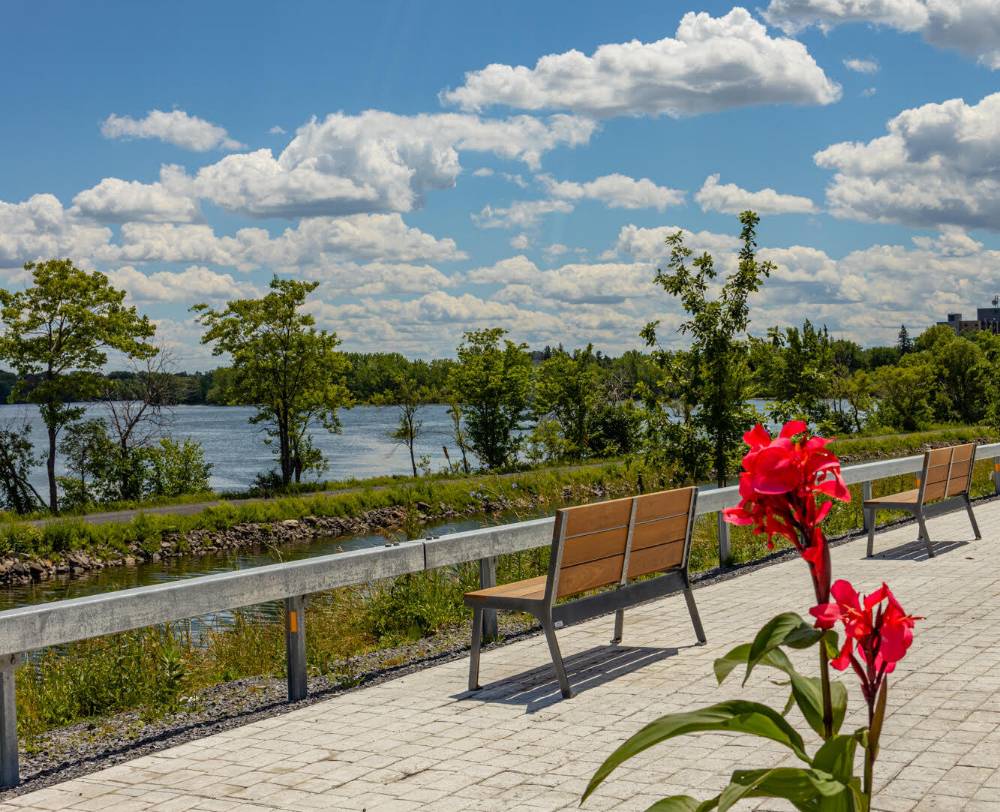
<point>947,472</point>
<point>612,542</point>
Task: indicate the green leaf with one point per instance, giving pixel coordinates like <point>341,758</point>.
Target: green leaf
<point>737,791</point>
<point>808,789</point>
<point>683,803</point>
<point>724,666</point>
<point>734,715</point>
<point>831,640</point>
<point>836,756</point>
<point>808,695</point>
<point>787,628</point>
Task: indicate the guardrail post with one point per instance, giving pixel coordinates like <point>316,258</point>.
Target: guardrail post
<point>488,578</point>
<point>10,775</point>
<point>996,475</point>
<point>295,646</point>
<point>866,494</point>
<point>724,554</point>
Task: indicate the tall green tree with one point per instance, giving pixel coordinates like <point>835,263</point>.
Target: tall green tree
<point>712,378</point>
<point>492,382</point>
<point>285,366</point>
<point>903,341</point>
<point>903,395</point>
<point>568,390</point>
<point>57,334</point>
<point>797,369</point>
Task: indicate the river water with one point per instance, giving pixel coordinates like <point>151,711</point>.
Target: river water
<point>237,450</point>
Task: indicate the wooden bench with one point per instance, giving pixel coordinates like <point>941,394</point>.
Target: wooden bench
<point>594,546</point>
<point>943,486</point>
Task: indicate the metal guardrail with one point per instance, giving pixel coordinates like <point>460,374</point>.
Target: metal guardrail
<point>50,624</point>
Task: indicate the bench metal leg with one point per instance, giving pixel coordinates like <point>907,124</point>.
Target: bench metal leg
<point>477,640</point>
<point>557,662</point>
<point>695,617</point>
<point>619,627</point>
<point>972,517</point>
<point>925,535</point>
<point>870,524</point>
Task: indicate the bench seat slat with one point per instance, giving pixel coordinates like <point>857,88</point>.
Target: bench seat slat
<point>901,498</point>
<point>659,531</point>
<point>586,519</point>
<point>662,505</point>
<point>593,574</point>
<point>594,546</point>
<point>529,588</point>
<point>656,559</point>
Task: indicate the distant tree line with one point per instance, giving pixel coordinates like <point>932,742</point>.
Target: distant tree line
<point>682,411</point>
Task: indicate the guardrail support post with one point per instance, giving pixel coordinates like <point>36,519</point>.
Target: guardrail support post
<point>10,775</point>
<point>724,554</point>
<point>866,494</point>
<point>488,578</point>
<point>996,475</point>
<point>295,646</point>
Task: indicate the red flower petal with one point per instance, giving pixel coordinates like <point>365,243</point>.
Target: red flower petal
<point>793,427</point>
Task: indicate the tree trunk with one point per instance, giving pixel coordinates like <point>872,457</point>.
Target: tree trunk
<point>413,461</point>
<point>284,451</point>
<point>50,468</point>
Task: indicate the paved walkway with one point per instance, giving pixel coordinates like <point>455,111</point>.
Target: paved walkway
<point>422,742</point>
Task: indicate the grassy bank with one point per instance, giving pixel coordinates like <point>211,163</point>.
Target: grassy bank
<point>479,493</point>
<point>159,669</point>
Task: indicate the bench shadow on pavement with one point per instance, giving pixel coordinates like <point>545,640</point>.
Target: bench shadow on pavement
<point>917,551</point>
<point>538,688</point>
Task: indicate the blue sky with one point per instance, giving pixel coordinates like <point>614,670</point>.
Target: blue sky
<point>420,162</point>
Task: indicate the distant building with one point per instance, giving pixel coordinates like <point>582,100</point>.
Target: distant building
<point>987,318</point>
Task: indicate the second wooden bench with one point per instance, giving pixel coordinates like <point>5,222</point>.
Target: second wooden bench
<point>614,543</point>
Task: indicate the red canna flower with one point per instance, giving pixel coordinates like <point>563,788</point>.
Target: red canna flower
<point>778,487</point>
<point>877,631</point>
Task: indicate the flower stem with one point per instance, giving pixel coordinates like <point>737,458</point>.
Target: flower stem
<point>824,671</point>
<point>869,757</point>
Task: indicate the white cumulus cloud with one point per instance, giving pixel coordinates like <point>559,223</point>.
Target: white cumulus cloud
<point>119,201</point>
<point>617,191</point>
<point>971,27</point>
<point>861,65</point>
<point>938,165</point>
<point>731,199</point>
<point>520,213</point>
<point>176,127</point>
<point>40,228</point>
<point>711,64</point>
<point>375,161</point>
<point>195,283</point>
